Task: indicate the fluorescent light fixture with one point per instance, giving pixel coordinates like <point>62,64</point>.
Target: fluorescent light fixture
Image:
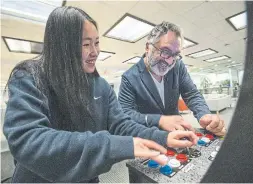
<point>208,70</point>
<point>103,55</point>
<point>23,46</point>
<point>202,53</point>
<point>18,45</point>
<point>132,60</point>
<point>129,28</point>
<point>238,21</point>
<point>188,43</point>
<point>117,76</point>
<point>188,66</point>
<point>30,10</point>
<point>120,72</point>
<point>237,64</point>
<point>216,58</point>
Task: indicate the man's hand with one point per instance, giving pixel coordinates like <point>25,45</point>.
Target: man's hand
<point>213,123</point>
<point>176,139</point>
<point>175,122</point>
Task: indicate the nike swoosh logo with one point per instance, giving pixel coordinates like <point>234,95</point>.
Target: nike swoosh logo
<point>95,98</point>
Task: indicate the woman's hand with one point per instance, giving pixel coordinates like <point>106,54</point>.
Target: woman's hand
<point>149,149</point>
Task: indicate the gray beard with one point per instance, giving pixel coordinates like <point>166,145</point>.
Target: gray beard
<point>161,67</point>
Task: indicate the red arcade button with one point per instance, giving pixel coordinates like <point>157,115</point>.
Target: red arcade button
<point>170,153</point>
<point>198,134</point>
<point>182,157</point>
<point>210,136</point>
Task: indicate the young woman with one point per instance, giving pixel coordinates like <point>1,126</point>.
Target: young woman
<point>63,122</point>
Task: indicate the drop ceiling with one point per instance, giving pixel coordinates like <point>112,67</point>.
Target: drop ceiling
<point>203,22</point>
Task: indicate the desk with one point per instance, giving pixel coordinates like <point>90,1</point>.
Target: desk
<point>217,102</point>
<point>192,172</point>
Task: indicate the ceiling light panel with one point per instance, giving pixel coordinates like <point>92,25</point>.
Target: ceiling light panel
<point>217,59</point>
<point>132,60</point>
<point>202,53</point>
<point>103,55</point>
<point>23,46</point>
<point>238,21</point>
<point>29,10</point>
<point>130,29</point>
<point>188,43</point>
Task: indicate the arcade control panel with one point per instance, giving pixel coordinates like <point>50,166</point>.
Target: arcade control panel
<point>184,165</point>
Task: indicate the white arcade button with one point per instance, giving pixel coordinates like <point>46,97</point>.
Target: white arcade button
<point>214,153</point>
<point>174,163</point>
<point>205,139</point>
<point>217,148</point>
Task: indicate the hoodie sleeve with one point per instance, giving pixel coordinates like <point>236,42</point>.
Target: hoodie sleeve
<point>121,124</point>
<point>55,155</point>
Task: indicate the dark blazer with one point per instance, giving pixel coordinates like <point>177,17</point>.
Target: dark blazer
<point>140,99</point>
<point>46,153</point>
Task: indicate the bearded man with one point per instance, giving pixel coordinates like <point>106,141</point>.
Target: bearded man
<point>150,89</point>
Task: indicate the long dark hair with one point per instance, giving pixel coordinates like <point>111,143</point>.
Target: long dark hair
<point>59,68</point>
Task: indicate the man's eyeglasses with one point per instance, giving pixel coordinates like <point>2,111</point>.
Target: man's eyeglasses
<point>167,55</point>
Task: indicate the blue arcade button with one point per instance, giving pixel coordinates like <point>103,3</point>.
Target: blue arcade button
<point>201,142</point>
<point>166,170</point>
<point>153,164</point>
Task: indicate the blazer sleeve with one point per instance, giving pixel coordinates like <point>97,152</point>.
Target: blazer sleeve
<point>127,99</point>
<point>189,92</point>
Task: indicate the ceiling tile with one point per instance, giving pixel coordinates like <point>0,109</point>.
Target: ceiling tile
<point>233,36</point>
<point>203,22</point>
<point>204,10</point>
<point>152,10</point>
<point>113,11</point>
<point>198,35</point>
<point>213,43</point>
<point>236,49</point>
<point>229,8</point>
<point>219,28</point>
<point>179,20</point>
<point>180,7</point>
<point>208,20</point>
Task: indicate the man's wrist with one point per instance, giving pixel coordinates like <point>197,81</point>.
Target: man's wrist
<point>201,115</point>
<point>152,120</point>
<point>160,121</point>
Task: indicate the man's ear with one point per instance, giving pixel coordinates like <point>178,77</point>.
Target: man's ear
<point>147,47</point>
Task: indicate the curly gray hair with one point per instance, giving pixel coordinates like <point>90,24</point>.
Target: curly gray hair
<point>161,29</point>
